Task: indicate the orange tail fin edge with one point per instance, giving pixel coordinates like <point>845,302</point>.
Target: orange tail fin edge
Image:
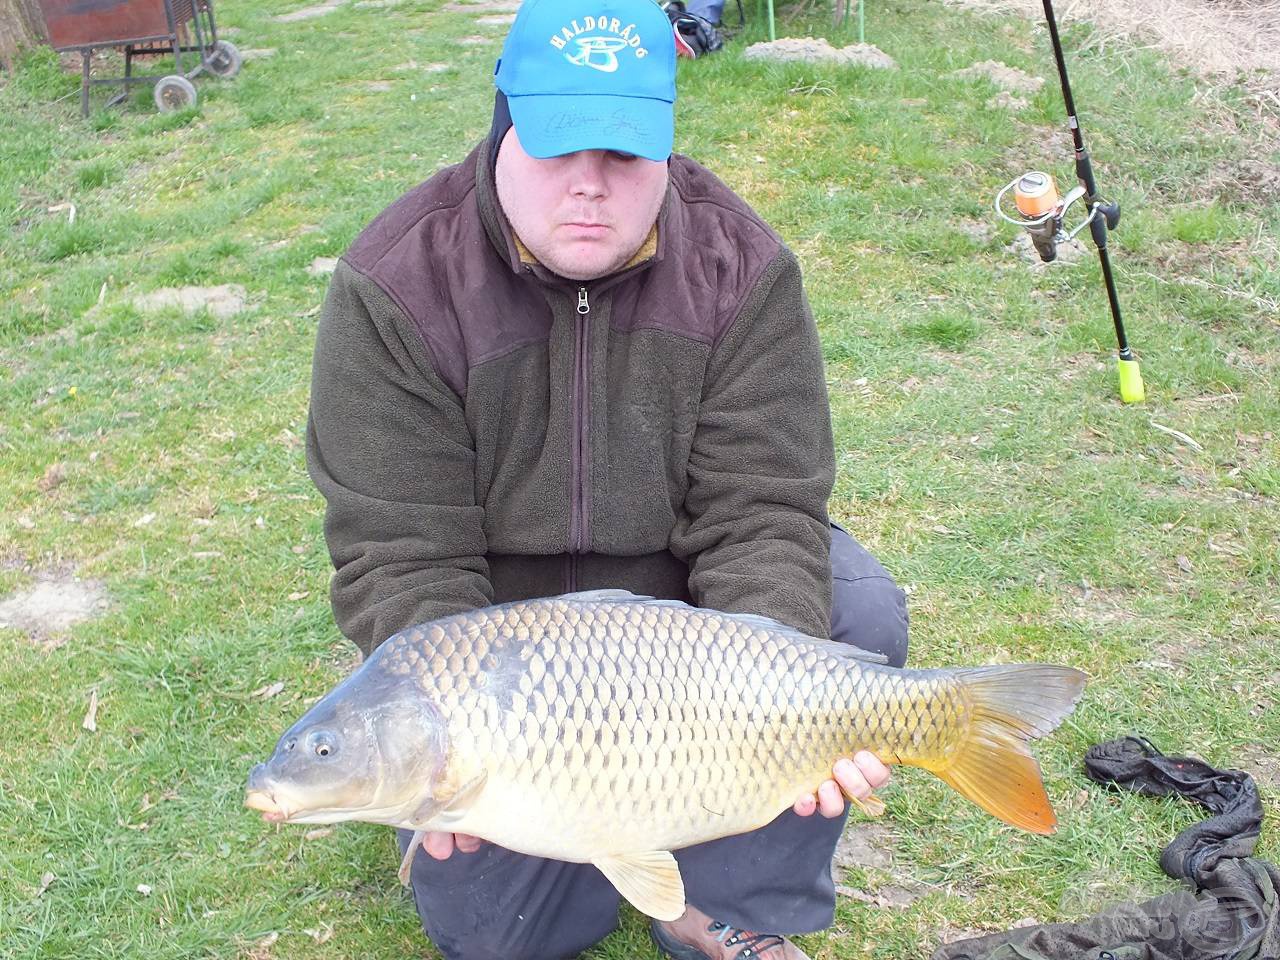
<point>1009,706</point>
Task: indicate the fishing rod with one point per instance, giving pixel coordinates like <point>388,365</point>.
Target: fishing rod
<point>1041,211</point>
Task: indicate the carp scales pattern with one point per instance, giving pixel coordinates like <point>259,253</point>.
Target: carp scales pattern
<point>611,729</point>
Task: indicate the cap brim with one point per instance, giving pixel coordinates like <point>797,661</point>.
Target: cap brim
<point>550,125</point>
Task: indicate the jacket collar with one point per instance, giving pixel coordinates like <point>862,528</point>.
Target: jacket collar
<point>517,256</point>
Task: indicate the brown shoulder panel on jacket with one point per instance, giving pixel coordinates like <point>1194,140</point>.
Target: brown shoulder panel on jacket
<point>429,252</point>
<point>715,250</point>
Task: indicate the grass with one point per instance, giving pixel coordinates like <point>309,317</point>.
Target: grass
<point>983,454</point>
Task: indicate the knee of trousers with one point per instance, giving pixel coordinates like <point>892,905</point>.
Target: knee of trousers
<point>495,904</point>
<point>776,879</point>
<point>868,608</point>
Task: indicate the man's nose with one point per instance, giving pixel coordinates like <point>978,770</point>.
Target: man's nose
<point>587,174</point>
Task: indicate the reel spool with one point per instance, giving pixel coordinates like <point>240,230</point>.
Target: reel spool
<point>1041,211</point>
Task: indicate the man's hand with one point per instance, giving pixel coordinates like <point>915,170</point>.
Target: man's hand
<point>440,846</point>
<point>854,778</point>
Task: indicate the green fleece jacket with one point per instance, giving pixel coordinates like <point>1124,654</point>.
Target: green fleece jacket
<point>484,431</point>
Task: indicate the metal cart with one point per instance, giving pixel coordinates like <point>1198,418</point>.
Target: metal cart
<point>143,27</point>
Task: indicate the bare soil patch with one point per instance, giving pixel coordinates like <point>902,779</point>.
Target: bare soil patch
<point>1098,606</point>
<point>1073,251</point>
<point>308,13</point>
<point>863,845</point>
<point>222,302</point>
<point>868,847</point>
<point>980,232</point>
<point>47,609</point>
<point>1003,76</point>
<point>814,49</point>
<point>1261,763</point>
<point>948,933</point>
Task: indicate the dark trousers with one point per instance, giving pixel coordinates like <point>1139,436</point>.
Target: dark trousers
<point>498,905</point>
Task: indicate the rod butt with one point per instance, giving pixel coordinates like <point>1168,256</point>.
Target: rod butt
<point>1131,386</point>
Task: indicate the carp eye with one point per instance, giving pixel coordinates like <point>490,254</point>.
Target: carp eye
<point>323,745</point>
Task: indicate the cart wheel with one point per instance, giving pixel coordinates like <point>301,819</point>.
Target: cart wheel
<point>174,93</point>
<point>224,59</point>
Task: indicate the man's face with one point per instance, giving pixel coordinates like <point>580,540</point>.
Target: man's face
<point>584,214</point>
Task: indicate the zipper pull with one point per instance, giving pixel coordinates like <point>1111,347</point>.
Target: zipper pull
<point>583,306</point>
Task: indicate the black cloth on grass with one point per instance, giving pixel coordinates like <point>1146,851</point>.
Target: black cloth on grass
<point>1230,911</point>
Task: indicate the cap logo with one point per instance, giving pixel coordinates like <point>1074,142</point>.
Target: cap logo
<point>598,51</point>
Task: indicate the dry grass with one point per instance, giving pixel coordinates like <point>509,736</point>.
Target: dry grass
<point>1208,36</point>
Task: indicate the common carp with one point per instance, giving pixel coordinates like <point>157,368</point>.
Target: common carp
<point>511,722</point>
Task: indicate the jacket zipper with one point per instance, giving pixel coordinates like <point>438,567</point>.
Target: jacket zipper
<point>581,442</point>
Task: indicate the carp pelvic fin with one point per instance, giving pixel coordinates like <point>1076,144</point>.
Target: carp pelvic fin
<point>1010,705</point>
<point>406,864</point>
<point>650,881</point>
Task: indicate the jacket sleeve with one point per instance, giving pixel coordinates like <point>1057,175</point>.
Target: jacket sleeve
<point>389,448</point>
<point>754,526</point>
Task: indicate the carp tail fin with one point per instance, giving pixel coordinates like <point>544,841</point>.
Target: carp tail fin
<point>1009,706</point>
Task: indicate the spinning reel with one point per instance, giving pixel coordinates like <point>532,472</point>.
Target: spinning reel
<point>1041,212</point>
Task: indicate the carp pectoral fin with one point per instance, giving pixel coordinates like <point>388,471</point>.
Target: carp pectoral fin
<point>871,805</point>
<point>1010,705</point>
<point>441,813</point>
<point>406,864</point>
<point>650,882</point>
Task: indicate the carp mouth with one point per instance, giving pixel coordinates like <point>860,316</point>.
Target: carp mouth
<point>270,800</point>
<point>272,810</point>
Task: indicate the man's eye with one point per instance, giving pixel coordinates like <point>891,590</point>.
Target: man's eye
<point>619,155</point>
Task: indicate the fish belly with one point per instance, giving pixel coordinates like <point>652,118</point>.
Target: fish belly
<point>640,726</point>
<point>613,731</point>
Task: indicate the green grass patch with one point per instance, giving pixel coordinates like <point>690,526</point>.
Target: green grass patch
<point>983,454</point>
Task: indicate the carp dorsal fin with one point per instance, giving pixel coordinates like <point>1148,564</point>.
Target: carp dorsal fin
<point>835,649</point>
<point>621,596</point>
<point>650,881</point>
<point>610,593</point>
<point>831,647</point>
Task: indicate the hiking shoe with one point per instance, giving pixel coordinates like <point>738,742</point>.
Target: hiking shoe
<point>695,936</point>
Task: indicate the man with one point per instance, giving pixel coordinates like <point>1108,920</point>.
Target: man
<point>574,361</point>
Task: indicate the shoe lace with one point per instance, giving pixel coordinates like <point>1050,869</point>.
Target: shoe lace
<point>753,944</point>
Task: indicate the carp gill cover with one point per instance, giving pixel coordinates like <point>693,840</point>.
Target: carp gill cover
<point>507,722</point>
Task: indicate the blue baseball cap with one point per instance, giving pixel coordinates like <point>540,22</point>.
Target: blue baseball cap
<point>591,75</point>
